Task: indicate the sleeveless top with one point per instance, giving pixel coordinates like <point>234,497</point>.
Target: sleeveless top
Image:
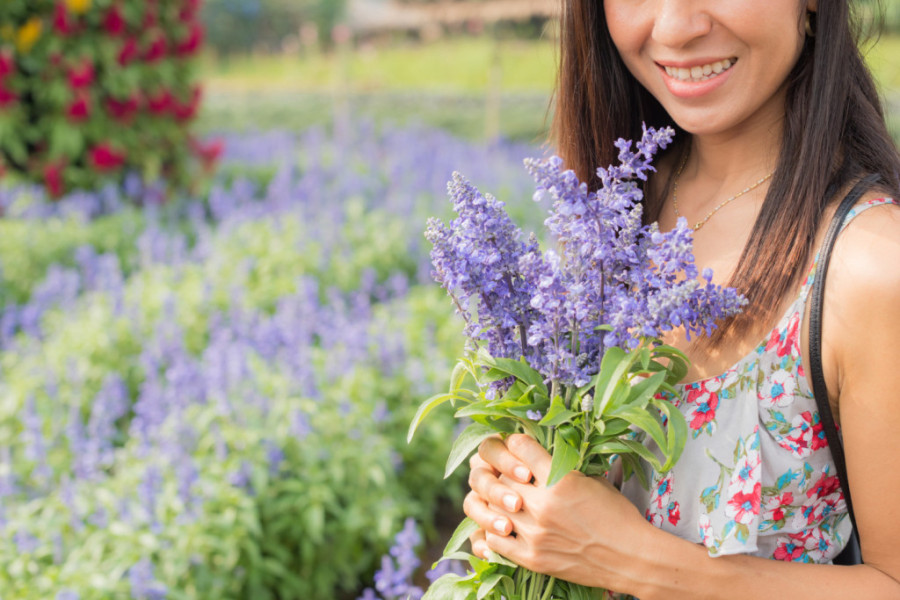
<point>756,476</point>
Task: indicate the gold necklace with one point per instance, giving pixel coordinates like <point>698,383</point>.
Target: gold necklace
<point>721,204</point>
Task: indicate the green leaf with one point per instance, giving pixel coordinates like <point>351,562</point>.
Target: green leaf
<point>565,458</point>
<point>451,587</point>
<point>500,560</point>
<point>426,407</point>
<point>645,420</point>
<point>644,390</point>
<point>467,441</point>
<point>631,465</point>
<point>516,368</point>
<point>482,408</point>
<point>461,535</point>
<point>557,414</point>
<point>676,432</point>
<point>488,584</point>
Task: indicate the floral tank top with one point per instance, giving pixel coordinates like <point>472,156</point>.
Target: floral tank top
<point>756,476</point>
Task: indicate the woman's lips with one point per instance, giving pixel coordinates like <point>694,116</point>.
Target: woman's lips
<point>698,79</point>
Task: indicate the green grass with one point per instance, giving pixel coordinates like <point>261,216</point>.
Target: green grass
<point>460,65</point>
<point>446,83</point>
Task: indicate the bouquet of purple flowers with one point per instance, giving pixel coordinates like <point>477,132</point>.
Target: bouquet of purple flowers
<point>565,345</point>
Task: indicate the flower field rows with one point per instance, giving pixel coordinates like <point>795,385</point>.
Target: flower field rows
<point>209,398</point>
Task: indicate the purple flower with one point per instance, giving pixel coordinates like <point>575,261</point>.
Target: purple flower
<point>144,585</point>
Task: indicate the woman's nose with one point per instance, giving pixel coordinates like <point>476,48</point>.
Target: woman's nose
<point>679,22</point>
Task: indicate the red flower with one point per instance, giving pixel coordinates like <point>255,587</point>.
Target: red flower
<point>189,10</point>
<point>61,22</point>
<point>209,153</point>
<point>157,49</point>
<point>187,111</point>
<point>53,179</point>
<point>129,52</point>
<point>7,97</point>
<point>790,550</point>
<point>81,76</point>
<point>191,44</point>
<point>825,486</point>
<point>745,505</point>
<point>114,22</point>
<point>161,102</point>
<point>104,158</point>
<point>7,64</point>
<point>123,111</point>
<point>80,108</point>
<point>151,18</point>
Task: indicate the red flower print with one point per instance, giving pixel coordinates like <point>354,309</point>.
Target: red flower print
<point>825,486</point>
<point>674,513</point>
<point>818,439</point>
<point>744,506</point>
<point>790,549</point>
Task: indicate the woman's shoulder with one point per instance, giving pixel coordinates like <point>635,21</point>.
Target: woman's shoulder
<point>867,253</point>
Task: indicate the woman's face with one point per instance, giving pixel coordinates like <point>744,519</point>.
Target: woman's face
<point>716,66</point>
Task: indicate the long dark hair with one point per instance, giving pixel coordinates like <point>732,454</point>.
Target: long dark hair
<point>834,133</point>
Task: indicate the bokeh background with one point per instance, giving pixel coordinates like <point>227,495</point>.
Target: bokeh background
<point>216,313</point>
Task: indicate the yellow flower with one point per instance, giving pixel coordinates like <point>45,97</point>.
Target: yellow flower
<point>78,6</point>
<point>28,34</point>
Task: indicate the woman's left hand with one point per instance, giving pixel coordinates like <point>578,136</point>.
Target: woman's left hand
<point>581,529</point>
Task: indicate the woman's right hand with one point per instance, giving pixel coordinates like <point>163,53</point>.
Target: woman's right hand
<point>487,492</point>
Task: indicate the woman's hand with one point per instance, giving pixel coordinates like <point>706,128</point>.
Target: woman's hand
<point>581,529</point>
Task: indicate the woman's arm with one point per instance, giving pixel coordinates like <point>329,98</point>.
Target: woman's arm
<point>584,531</point>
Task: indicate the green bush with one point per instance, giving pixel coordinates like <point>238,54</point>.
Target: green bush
<point>91,89</point>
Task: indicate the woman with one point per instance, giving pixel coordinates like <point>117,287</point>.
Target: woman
<point>777,118</point>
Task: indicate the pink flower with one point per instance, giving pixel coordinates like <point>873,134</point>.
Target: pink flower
<point>113,21</point>
<point>53,178</point>
<point>191,44</point>
<point>104,158</point>
<point>62,22</point>
<point>7,96</point>
<point>123,111</point>
<point>208,153</point>
<point>129,52</point>
<point>7,64</point>
<point>80,109</point>
<point>82,75</point>
<point>161,102</point>
<point>188,110</point>
<point>157,49</point>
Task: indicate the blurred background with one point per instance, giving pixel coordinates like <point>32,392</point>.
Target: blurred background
<point>217,318</point>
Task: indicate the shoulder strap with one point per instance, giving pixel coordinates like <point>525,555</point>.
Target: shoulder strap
<point>820,390</point>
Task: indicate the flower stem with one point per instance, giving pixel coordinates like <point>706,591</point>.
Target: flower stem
<point>549,589</point>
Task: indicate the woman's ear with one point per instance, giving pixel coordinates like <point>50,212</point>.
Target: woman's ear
<point>812,5</point>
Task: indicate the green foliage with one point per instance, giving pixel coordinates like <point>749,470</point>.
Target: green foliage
<point>90,89</point>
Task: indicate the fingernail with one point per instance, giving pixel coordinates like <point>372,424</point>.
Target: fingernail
<point>509,501</point>
<point>500,525</point>
<point>522,474</point>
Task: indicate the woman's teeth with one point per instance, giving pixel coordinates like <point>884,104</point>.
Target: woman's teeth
<point>700,73</point>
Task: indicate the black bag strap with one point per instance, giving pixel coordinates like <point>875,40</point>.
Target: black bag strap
<point>820,389</point>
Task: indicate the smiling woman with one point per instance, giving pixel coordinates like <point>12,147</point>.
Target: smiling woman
<point>778,118</point>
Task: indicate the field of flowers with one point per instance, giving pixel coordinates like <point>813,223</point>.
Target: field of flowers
<point>208,397</point>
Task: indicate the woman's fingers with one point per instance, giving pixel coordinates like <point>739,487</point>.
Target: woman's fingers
<point>478,510</point>
<point>479,544</point>
<point>526,451</point>
<point>487,485</point>
<point>495,452</point>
